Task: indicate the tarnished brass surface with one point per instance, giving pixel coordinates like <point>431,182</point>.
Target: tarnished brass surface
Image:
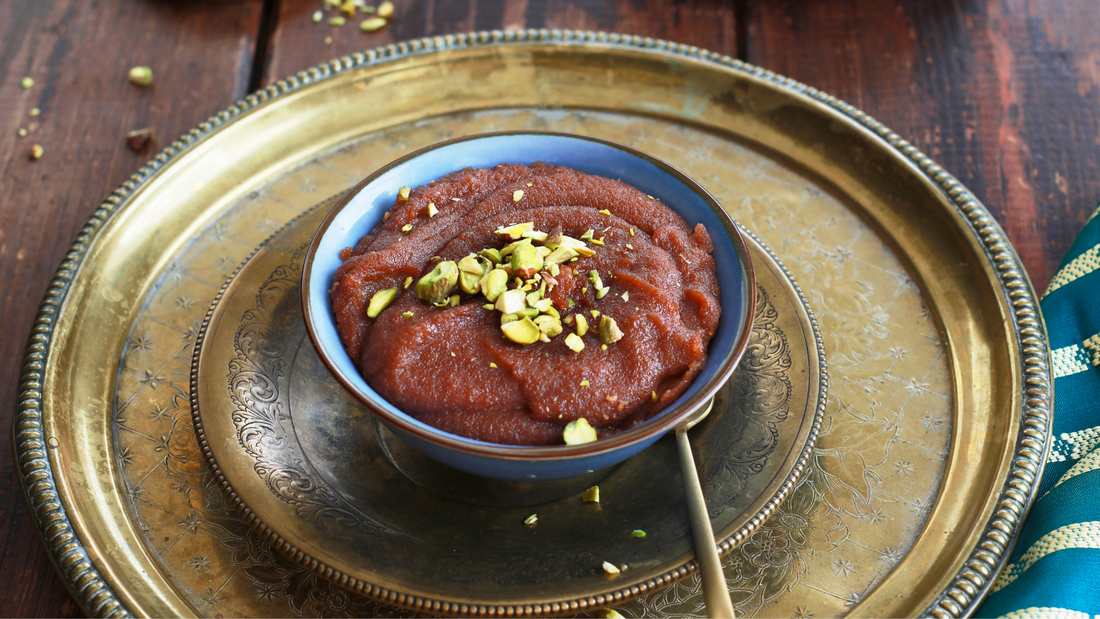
<point>932,440</point>
<point>303,460</point>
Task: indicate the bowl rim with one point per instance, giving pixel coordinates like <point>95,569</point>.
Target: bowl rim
<point>665,421</point>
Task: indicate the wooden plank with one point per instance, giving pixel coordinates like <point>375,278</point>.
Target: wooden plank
<point>78,54</point>
<point>1002,93</point>
<point>297,42</point>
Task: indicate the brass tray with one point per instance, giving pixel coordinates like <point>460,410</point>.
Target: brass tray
<point>308,465</point>
<point>937,422</point>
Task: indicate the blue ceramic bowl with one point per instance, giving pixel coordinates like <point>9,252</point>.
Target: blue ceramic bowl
<point>358,212</point>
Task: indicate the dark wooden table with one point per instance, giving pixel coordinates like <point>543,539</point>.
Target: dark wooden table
<point>1005,94</point>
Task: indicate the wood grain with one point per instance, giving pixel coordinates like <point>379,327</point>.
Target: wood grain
<point>297,42</point>
<point>78,53</point>
<point>1002,93</point>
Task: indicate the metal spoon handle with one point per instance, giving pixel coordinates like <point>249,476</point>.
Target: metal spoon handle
<point>715,593</point>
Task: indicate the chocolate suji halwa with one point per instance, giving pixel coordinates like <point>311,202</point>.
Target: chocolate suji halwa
<point>528,305</point>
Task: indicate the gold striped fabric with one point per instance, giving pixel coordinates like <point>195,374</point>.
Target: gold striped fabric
<point>1046,612</point>
<point>1078,267</point>
<point>1077,535</point>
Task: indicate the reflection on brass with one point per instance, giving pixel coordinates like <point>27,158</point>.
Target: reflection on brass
<point>302,461</point>
<point>929,324</point>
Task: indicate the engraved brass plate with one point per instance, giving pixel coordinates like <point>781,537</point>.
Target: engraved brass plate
<point>311,469</point>
<point>938,415</point>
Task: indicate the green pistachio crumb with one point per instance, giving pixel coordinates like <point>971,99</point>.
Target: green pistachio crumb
<point>337,21</point>
<point>22,132</point>
<point>653,396</point>
<point>385,9</point>
<point>609,330</point>
<point>532,519</point>
<point>492,254</point>
<point>610,613</point>
<point>404,192</point>
<point>407,315</point>
<point>610,569</point>
<point>318,16</point>
<point>436,287</point>
<point>598,241</point>
<point>493,365</point>
<point>592,495</point>
<point>632,232</point>
<point>521,331</point>
<point>584,290</point>
<point>380,301</point>
<point>603,346</point>
<point>515,231</point>
<point>629,246</point>
<point>489,306</point>
<point>407,228</point>
<point>568,319</point>
<point>494,284</point>
<point>605,212</point>
<point>595,313</point>
<point>35,112</point>
<point>602,292</point>
<point>432,210</point>
<point>579,432</point>
<point>649,196</point>
<point>408,280</point>
<point>517,195</point>
<point>638,533</point>
<point>528,184</point>
<point>574,342</point>
<point>626,296</point>
<point>585,383</point>
<point>142,76</point>
<point>587,236</point>
<point>27,82</point>
<point>582,324</point>
<point>372,24</point>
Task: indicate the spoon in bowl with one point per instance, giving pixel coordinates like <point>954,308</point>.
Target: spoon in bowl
<point>715,592</point>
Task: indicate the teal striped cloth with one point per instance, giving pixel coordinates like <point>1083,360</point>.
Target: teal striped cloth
<point>1055,569</point>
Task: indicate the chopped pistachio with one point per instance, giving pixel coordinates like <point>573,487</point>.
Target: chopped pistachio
<point>526,261</point>
<point>532,519</point>
<point>407,315</point>
<point>372,24</point>
<point>551,311</point>
<point>595,313</point>
<point>568,319</point>
<point>507,318</point>
<point>142,76</point>
<point>598,241</point>
<point>380,301</point>
<point>558,256</point>
<point>610,613</point>
<point>578,432</point>
<point>455,300</point>
<point>653,396</point>
<point>554,269</point>
<point>436,286</point>
<point>337,21</point>
<point>318,16</point>
<point>404,192</point>
<point>517,195</point>
<point>576,245</point>
<point>603,346</point>
<point>544,305</point>
<point>22,132</point>
<point>609,330</point>
<point>407,228</point>
<point>432,210</point>
<point>493,365</point>
<point>37,151</point>
<point>536,235</point>
<point>629,246</point>
<point>582,324</point>
<point>515,231</point>
<point>584,290</point>
<point>511,302</point>
<point>456,199</point>
<point>489,306</point>
<point>549,325</point>
<point>328,40</point>
<point>638,533</point>
<point>626,296</point>
<point>602,292</point>
<point>649,196</point>
<point>632,232</point>
<point>471,272</point>
<point>528,184</point>
<point>26,82</point>
<point>587,236</point>
<point>494,284</point>
<point>585,383</point>
<point>604,211</point>
<point>528,312</point>
<point>521,331</point>
<point>594,277</point>
<point>492,254</point>
<point>408,280</point>
<point>35,111</point>
<point>610,569</point>
<point>385,9</point>
<point>592,495</point>
<point>574,342</point>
